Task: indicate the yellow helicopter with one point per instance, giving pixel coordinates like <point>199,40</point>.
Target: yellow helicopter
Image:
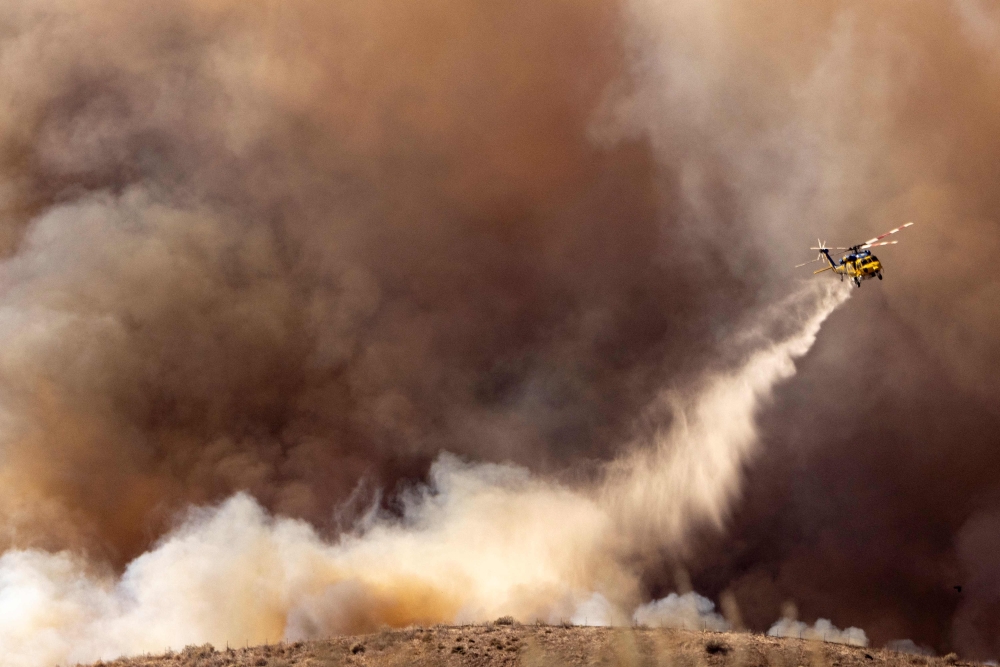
<point>858,264</point>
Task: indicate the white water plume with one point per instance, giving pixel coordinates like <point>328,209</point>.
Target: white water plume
<point>690,472</point>
<point>479,541</point>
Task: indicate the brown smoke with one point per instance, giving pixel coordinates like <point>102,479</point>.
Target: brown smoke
<point>285,247</point>
<point>300,248</point>
<point>478,541</point>
<point>841,120</point>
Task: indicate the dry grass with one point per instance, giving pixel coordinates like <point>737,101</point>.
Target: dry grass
<point>540,646</point>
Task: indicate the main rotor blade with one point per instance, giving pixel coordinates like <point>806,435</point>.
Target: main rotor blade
<point>797,266</point>
<point>875,245</point>
<point>891,231</point>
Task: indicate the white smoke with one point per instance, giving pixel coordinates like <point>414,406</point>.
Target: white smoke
<point>597,610</point>
<point>822,630</point>
<point>689,611</point>
<point>908,646</point>
<point>482,541</point>
<point>477,542</point>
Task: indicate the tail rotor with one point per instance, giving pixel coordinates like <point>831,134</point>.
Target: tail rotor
<point>821,247</point>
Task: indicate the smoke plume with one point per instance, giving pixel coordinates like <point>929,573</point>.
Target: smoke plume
<point>478,541</point>
<point>689,611</point>
<point>440,311</point>
<point>822,630</point>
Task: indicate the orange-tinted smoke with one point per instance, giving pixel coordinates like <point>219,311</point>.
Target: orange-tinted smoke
<point>294,248</point>
<point>299,248</point>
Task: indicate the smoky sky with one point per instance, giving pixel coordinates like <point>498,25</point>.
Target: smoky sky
<point>299,249</point>
<point>879,455</point>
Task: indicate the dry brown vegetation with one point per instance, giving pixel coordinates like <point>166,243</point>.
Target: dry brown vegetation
<point>496,645</point>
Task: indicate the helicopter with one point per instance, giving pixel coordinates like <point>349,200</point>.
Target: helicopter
<point>859,263</point>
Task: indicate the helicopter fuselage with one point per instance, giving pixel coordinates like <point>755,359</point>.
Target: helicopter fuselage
<point>859,263</point>
<point>857,266</point>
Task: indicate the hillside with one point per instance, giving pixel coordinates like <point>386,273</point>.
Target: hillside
<point>537,645</point>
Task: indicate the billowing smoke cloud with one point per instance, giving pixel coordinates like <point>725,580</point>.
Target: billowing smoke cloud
<point>689,611</point>
<point>254,256</point>
<point>479,541</point>
<point>296,251</point>
<point>840,120</point>
<point>822,630</point>
<point>481,546</point>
